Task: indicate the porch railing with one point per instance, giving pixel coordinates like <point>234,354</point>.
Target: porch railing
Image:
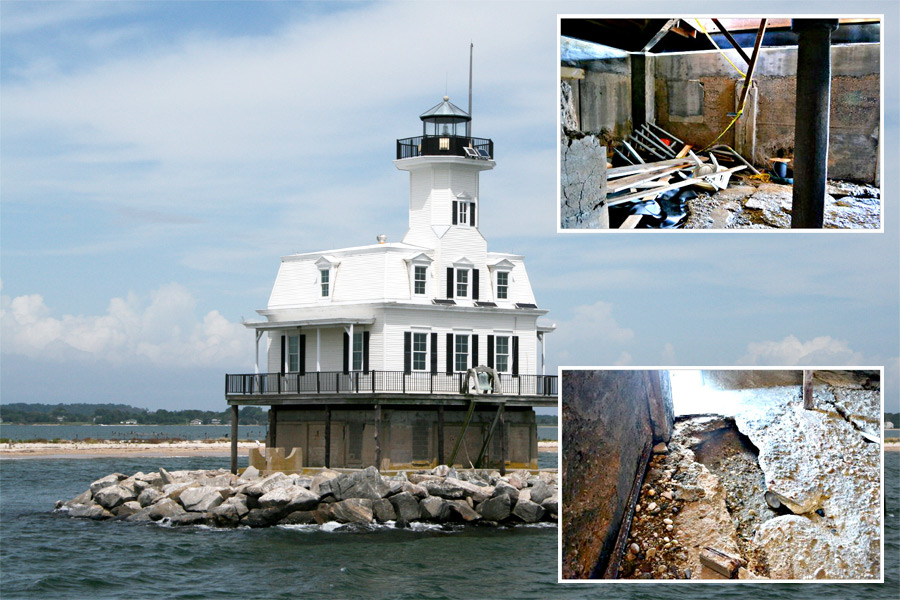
<point>360,382</point>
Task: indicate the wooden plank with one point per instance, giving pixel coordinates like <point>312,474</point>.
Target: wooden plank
<point>631,222</point>
<point>623,183</point>
<point>760,33</point>
<point>647,167</point>
<point>673,186</point>
<point>571,73</point>
<point>684,151</point>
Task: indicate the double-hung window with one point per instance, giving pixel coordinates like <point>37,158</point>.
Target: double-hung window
<point>293,353</point>
<point>324,280</point>
<point>420,352</point>
<point>502,285</point>
<point>357,350</point>
<point>462,283</point>
<point>419,275</point>
<point>461,362</point>
<point>501,353</point>
<point>463,212</point>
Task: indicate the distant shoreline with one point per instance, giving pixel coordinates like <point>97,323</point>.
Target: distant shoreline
<point>138,449</point>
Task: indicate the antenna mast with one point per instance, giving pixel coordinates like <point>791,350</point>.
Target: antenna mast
<point>469,122</point>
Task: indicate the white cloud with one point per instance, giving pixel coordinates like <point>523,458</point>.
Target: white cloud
<point>592,337</point>
<point>668,355</point>
<point>162,330</point>
<point>790,351</point>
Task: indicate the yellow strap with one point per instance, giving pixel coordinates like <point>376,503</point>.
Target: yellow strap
<point>700,25</point>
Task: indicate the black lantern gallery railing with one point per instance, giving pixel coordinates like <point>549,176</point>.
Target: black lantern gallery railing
<point>359,382</point>
<point>450,145</point>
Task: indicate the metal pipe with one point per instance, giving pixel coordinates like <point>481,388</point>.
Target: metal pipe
<point>666,133</point>
<point>633,151</point>
<point>737,156</point>
<point>652,137</point>
<point>625,158</point>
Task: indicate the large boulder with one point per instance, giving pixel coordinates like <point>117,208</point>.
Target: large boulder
<point>433,508</point>
<point>528,511</point>
<point>200,499</point>
<point>540,491</point>
<point>128,508</point>
<point>365,484</point>
<point>415,489</point>
<point>321,477</point>
<point>496,508</point>
<point>262,517</point>
<point>230,511</point>
<point>162,509</point>
<point>454,489</point>
<point>89,511</point>
<point>383,510</point>
<point>104,482</point>
<point>353,510</point>
<point>462,510</point>
<point>551,504</point>
<point>112,496</point>
<point>83,498</point>
<point>290,498</point>
<point>189,518</point>
<point>505,489</point>
<point>405,506</point>
<point>149,496</point>
<point>299,517</point>
<point>267,484</point>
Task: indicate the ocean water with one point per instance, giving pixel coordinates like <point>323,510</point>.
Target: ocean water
<point>46,555</point>
<point>165,432</point>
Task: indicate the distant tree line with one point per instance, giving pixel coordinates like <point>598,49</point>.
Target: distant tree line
<point>893,418</point>
<point>113,414</point>
<point>545,420</point>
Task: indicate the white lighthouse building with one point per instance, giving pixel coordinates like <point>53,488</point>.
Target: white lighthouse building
<point>369,349</point>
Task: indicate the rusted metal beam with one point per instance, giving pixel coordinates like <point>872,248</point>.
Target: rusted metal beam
<point>612,567</point>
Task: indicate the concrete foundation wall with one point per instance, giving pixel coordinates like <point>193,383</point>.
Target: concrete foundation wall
<point>695,91</point>
<point>409,436</point>
<point>608,419</point>
<point>692,94</point>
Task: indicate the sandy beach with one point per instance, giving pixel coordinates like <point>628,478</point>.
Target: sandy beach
<point>110,448</point>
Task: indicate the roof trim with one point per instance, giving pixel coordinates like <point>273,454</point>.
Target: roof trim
<point>268,325</point>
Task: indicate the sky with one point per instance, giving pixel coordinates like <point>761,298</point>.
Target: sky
<point>158,159</point>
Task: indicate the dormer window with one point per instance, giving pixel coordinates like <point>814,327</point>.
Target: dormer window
<point>462,280</point>
<point>324,276</point>
<point>327,266</point>
<point>462,283</point>
<point>419,276</point>
<point>503,285</point>
<point>419,268</point>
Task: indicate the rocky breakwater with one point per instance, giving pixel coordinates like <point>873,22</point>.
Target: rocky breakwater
<point>219,498</point>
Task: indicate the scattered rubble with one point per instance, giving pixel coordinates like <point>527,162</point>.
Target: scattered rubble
<point>706,497</point>
<point>218,498</point>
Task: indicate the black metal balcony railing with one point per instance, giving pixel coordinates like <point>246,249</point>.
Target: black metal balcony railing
<point>358,382</point>
<point>454,145</point>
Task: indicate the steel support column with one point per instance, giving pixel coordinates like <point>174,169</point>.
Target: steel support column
<point>811,121</point>
<point>234,438</point>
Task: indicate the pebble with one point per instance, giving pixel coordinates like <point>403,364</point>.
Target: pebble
<point>637,508</point>
<point>634,548</point>
<point>667,521</point>
<point>651,492</point>
<point>652,506</point>
<point>651,552</point>
<point>669,527</point>
<point>667,495</point>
